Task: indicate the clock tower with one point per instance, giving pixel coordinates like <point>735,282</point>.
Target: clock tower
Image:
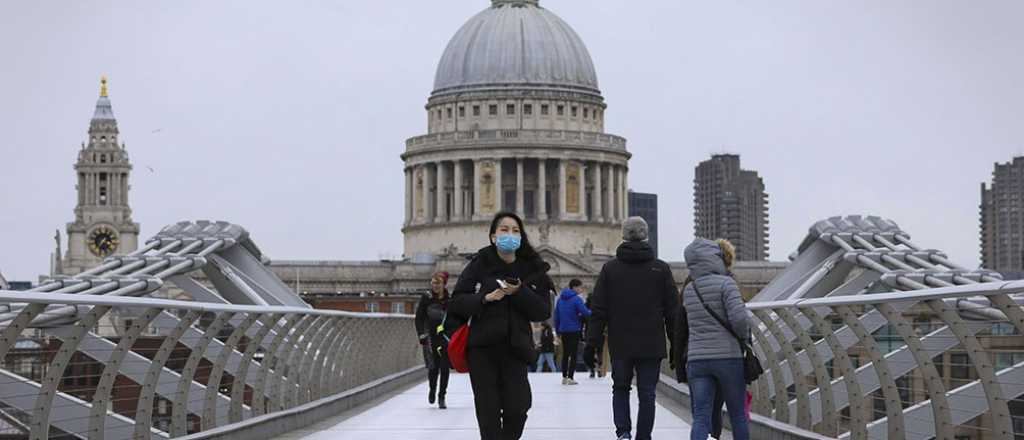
<point>103,219</point>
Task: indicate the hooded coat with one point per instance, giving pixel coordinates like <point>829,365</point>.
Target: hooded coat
<point>635,299</point>
<point>570,312</point>
<point>708,339</point>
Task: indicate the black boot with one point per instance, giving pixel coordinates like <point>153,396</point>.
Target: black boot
<point>440,402</point>
<point>430,397</point>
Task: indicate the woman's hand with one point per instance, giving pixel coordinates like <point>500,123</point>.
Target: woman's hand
<point>496,295</point>
<point>512,289</point>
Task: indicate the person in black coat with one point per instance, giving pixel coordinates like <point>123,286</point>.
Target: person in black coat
<point>635,299</point>
<point>502,290</point>
<point>547,349</point>
<point>430,315</point>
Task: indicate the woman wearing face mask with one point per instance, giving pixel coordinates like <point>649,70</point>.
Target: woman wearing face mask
<point>503,289</point>
<point>429,315</point>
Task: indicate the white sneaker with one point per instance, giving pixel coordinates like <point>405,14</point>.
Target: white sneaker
<point>572,382</point>
<point>565,381</point>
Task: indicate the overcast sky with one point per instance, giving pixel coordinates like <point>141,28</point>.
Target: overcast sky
<point>289,117</point>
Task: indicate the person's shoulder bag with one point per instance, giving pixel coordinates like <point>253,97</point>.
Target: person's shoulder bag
<point>752,368</point>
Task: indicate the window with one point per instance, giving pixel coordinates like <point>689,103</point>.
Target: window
<point>561,110</point>
<point>449,109</point>
<point>398,307</point>
<point>1003,329</point>
<point>575,111</point>
<point>476,110</point>
<point>586,113</point>
<point>493,110</point>
<point>959,366</point>
<point>545,109</point>
<point>528,109</point>
<point>510,109</point>
<point>103,196</point>
<point>438,114</point>
<point>372,307</point>
<point>462,111</point>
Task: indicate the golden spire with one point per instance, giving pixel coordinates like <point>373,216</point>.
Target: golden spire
<point>103,86</point>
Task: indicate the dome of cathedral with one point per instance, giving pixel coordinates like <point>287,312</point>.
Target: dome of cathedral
<point>515,44</point>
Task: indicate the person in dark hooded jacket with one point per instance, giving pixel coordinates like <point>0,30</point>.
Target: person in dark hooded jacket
<point>635,299</point>
<point>714,358</point>
<point>502,290</point>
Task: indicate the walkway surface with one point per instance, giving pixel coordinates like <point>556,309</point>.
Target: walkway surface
<point>580,412</point>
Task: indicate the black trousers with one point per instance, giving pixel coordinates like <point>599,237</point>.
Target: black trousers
<point>501,392</point>
<point>570,348</point>
<point>440,367</point>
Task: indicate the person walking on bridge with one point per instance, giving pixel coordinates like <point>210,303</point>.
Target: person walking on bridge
<point>429,316</point>
<point>635,299</point>
<point>569,314</point>
<point>714,358</point>
<point>502,290</point>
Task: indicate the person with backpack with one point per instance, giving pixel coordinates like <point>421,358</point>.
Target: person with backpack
<point>501,291</point>
<point>635,299</point>
<point>714,352</point>
<point>430,314</point>
<point>570,311</point>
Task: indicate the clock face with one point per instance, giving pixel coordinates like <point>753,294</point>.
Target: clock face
<point>103,241</point>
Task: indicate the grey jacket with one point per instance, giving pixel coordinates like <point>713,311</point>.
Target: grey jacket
<point>708,339</point>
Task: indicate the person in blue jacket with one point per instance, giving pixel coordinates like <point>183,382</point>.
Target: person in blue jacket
<point>569,314</point>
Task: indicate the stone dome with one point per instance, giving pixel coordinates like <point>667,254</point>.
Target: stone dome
<point>515,44</point>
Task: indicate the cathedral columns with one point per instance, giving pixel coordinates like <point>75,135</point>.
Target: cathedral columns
<point>499,189</point>
<point>410,195</point>
<point>562,213</point>
<point>477,173</point>
<point>597,211</point>
<point>458,190</point>
<point>626,193</point>
<point>582,184</point>
<point>609,192</point>
<point>441,208</point>
<point>425,194</point>
<point>520,184</point>
<point>542,189</point>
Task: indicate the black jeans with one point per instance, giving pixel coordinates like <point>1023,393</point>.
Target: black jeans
<point>570,347</point>
<point>647,371</point>
<point>442,368</point>
<point>501,391</point>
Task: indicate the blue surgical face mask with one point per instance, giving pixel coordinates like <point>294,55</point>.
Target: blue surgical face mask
<point>508,243</point>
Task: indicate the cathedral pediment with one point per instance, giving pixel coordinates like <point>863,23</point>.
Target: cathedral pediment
<point>564,264</point>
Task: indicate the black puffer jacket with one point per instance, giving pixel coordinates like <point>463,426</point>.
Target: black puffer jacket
<point>635,298</point>
<point>429,315</point>
<point>506,321</point>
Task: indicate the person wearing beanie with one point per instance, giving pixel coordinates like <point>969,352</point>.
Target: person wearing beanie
<point>634,300</point>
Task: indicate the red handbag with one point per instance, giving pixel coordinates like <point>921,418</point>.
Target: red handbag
<point>457,348</point>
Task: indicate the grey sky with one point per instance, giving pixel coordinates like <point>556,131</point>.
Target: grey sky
<point>288,117</point>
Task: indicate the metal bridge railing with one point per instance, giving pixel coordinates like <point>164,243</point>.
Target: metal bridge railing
<point>940,363</point>
<point>180,367</point>
<point>93,355</point>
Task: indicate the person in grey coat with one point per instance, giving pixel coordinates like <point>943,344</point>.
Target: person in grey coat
<point>714,357</point>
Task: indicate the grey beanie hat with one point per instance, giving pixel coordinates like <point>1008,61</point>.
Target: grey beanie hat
<point>634,229</point>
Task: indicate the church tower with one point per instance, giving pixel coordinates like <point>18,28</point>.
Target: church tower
<point>103,219</point>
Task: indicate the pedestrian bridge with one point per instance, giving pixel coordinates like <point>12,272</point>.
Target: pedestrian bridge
<point>866,335</point>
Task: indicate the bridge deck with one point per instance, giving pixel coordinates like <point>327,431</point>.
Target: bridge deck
<point>579,412</point>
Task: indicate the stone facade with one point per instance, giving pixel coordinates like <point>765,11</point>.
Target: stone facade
<point>511,129</point>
